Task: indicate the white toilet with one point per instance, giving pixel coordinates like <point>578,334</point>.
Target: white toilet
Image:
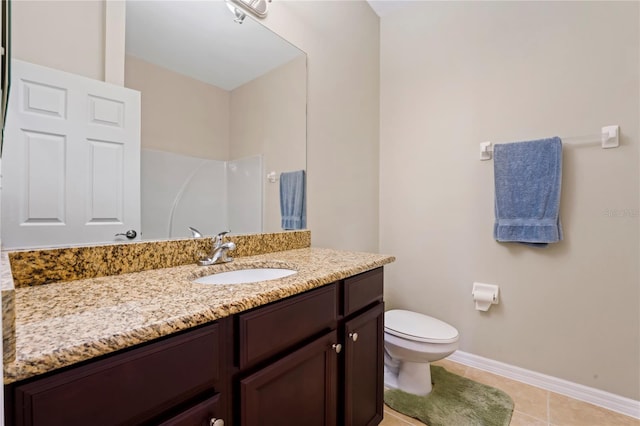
<point>411,342</point>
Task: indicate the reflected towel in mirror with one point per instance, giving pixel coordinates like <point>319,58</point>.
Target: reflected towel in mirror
<point>293,200</point>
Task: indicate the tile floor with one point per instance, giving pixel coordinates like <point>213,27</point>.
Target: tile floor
<point>533,406</point>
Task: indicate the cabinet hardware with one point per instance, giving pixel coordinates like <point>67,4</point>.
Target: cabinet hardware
<point>353,336</point>
<point>337,347</point>
<point>216,422</point>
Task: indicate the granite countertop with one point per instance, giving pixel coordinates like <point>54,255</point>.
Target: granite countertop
<point>63,323</point>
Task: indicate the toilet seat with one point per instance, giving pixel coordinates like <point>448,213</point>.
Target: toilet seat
<point>418,327</point>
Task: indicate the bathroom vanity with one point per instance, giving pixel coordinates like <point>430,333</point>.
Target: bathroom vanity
<point>322,351</point>
<point>301,350</point>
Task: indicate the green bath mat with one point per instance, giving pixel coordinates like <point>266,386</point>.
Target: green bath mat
<point>454,401</point>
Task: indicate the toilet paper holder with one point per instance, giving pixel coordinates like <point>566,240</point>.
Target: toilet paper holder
<point>485,295</point>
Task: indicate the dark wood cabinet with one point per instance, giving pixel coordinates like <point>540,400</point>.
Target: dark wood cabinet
<point>272,329</point>
<point>364,368</point>
<point>362,290</point>
<point>299,389</point>
<point>313,359</point>
<point>299,386</point>
<point>143,385</point>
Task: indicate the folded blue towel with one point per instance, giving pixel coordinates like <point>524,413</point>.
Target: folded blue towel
<point>293,203</point>
<point>528,177</point>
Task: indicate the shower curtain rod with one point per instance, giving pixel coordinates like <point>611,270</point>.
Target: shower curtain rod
<point>608,138</point>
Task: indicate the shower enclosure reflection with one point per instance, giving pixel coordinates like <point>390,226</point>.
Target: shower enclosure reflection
<point>179,192</point>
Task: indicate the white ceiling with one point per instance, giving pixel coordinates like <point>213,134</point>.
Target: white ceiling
<point>201,40</point>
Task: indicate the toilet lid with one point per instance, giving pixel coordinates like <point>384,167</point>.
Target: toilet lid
<point>418,327</point>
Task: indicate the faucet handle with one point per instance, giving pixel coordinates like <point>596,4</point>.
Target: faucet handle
<point>218,238</point>
<point>194,232</point>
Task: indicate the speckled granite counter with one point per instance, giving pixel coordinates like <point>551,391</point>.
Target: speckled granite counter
<point>63,323</point>
<point>42,266</point>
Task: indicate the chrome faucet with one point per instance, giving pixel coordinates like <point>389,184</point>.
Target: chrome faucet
<point>219,251</point>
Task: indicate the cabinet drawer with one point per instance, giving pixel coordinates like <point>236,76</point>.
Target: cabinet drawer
<point>362,290</point>
<point>199,415</point>
<point>269,330</point>
<point>126,388</point>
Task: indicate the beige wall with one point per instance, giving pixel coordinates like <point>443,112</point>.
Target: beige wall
<point>456,74</point>
<point>180,114</point>
<point>268,117</point>
<point>341,39</point>
<point>66,35</point>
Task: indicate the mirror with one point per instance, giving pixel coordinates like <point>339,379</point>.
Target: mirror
<point>223,105</point>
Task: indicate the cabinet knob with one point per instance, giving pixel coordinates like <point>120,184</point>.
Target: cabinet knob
<point>216,422</point>
<point>353,336</point>
<point>337,347</point>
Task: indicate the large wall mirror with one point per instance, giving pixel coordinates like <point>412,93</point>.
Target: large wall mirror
<point>223,105</point>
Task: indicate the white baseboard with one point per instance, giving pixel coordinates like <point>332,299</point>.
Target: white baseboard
<point>610,401</point>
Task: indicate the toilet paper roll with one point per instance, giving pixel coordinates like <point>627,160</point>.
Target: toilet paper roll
<point>483,299</point>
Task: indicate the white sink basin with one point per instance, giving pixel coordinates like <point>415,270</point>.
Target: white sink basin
<point>244,276</point>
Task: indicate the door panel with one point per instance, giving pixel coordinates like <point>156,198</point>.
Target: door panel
<point>45,197</point>
<point>44,99</point>
<point>106,112</point>
<point>105,193</point>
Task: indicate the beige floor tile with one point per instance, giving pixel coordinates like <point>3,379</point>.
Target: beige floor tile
<point>452,367</point>
<point>533,406</point>
<point>528,399</point>
<point>565,411</point>
<point>521,419</point>
<point>405,420</point>
<point>390,420</point>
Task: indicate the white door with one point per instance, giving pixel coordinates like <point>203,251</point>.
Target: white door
<point>71,159</point>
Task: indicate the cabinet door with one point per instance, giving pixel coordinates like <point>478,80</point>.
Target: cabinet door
<point>299,389</point>
<point>363,370</point>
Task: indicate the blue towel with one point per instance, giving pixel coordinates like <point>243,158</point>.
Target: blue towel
<point>528,177</point>
<point>293,203</point>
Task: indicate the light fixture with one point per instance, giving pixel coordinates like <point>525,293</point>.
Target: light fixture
<point>256,7</point>
<point>238,14</point>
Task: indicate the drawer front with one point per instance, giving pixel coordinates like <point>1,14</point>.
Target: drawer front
<point>201,414</point>
<point>126,388</point>
<point>362,290</point>
<point>269,330</point>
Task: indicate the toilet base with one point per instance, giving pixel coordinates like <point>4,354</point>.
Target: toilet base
<point>390,378</point>
<point>411,377</point>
